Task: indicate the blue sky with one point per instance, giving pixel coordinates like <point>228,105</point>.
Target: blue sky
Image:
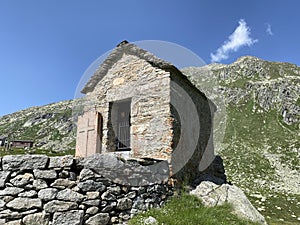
<point>45,46</point>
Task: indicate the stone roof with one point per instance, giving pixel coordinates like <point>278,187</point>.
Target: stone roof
<point>116,54</point>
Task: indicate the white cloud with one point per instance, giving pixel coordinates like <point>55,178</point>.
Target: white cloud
<point>269,29</point>
<point>239,38</point>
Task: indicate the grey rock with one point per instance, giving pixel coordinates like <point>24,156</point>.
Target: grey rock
<point>36,219</point>
<point>28,194</point>
<point>63,183</point>
<point>92,195</point>
<point>61,161</point>
<point>212,194</point>
<point>58,206</point>
<point>45,174</point>
<point>11,191</point>
<point>14,222</point>
<point>22,180</point>
<point>2,203</point>
<point>24,203</point>
<point>73,217</point>
<point>124,203</point>
<point>4,175</point>
<point>24,162</point>
<point>101,162</point>
<point>150,221</point>
<point>69,195</point>
<point>39,184</point>
<point>90,185</point>
<point>100,218</point>
<point>86,174</point>
<point>92,210</point>
<point>47,194</point>
<point>94,202</point>
<point>108,196</point>
<point>114,190</point>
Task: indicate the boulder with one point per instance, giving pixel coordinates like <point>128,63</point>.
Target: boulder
<point>212,194</point>
<point>61,161</point>
<point>24,162</point>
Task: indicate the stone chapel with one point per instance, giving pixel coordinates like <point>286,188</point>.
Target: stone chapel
<point>134,111</point>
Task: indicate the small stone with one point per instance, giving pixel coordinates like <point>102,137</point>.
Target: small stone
<point>108,196</point>
<point>28,194</point>
<point>92,210</point>
<point>124,203</point>
<point>114,190</point>
<point>35,219</point>
<point>86,174</point>
<point>57,206</point>
<point>90,185</point>
<point>47,194</point>
<point>4,175</point>
<point>69,195</point>
<point>24,203</point>
<point>14,222</point>
<point>45,174</point>
<point>131,195</point>
<point>22,180</point>
<point>11,191</point>
<point>2,203</point>
<point>92,195</point>
<point>73,217</point>
<point>63,174</point>
<point>94,202</point>
<point>150,221</point>
<point>61,161</point>
<point>100,218</point>
<point>39,184</point>
<point>63,183</point>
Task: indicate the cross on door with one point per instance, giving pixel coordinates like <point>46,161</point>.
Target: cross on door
<point>88,134</point>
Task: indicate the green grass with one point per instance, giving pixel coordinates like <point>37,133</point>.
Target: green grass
<point>250,133</point>
<point>189,210</point>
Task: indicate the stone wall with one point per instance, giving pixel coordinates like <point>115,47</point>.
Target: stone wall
<point>101,189</point>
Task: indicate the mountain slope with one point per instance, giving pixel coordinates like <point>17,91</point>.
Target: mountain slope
<point>261,144</point>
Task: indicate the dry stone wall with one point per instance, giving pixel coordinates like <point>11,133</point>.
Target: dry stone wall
<point>101,189</point>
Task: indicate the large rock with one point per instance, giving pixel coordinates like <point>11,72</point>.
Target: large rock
<point>58,206</point>
<point>100,218</point>
<point>24,162</point>
<point>73,217</point>
<point>69,195</point>
<point>36,218</point>
<point>24,203</point>
<point>212,194</point>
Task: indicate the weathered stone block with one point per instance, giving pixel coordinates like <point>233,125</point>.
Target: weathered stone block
<point>73,217</point>
<point>100,218</point>
<point>69,195</point>
<point>61,161</point>
<point>35,219</point>
<point>22,180</point>
<point>90,185</point>
<point>124,204</point>
<point>47,194</point>
<point>58,206</point>
<point>11,191</point>
<point>24,203</point>
<point>24,162</point>
<point>4,175</point>
<point>45,174</point>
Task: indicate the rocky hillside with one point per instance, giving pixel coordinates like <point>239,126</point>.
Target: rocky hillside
<point>49,126</point>
<point>260,118</point>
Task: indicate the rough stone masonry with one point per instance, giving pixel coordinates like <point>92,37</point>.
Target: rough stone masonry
<point>37,189</point>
